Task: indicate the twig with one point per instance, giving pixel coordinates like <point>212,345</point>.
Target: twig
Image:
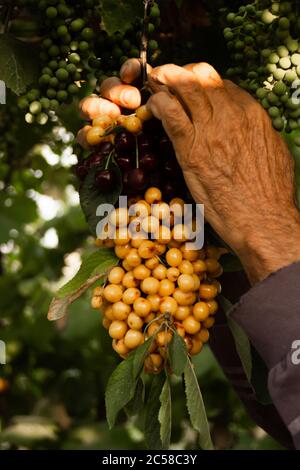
<point>144,40</point>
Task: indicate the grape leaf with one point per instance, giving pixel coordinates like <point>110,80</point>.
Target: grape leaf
<point>19,66</point>
<point>140,356</point>
<point>118,15</point>
<point>120,389</point>
<point>196,407</point>
<point>177,354</point>
<point>152,424</point>
<point>165,415</point>
<point>98,262</point>
<point>91,197</point>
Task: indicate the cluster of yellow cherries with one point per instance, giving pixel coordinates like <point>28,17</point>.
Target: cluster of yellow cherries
<point>161,285</point>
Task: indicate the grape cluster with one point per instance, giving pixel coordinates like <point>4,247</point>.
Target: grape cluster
<point>264,42</point>
<point>162,284</point>
<point>75,49</point>
<point>138,144</point>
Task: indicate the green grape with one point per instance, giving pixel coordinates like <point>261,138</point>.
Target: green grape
<point>285,63</point>
<point>74,58</point>
<point>53,82</point>
<point>278,123</point>
<point>77,25</point>
<point>51,93</point>
<point>295,59</point>
<point>283,51</point>
<point>51,12</point>
<point>62,30</point>
<point>35,107</point>
<point>45,102</point>
<point>279,88</point>
<point>42,119</point>
<point>62,74</point>
<point>53,51</point>
<point>62,95</point>
<point>87,34</point>
<point>274,112</point>
<point>73,89</point>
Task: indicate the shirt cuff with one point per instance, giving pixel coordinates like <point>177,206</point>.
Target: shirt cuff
<point>270,314</point>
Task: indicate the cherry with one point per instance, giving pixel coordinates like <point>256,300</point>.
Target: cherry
<point>124,163</point>
<point>166,147</point>
<point>104,148</point>
<point>149,162</point>
<point>172,169</point>
<point>144,144</point>
<point>105,180</point>
<point>81,170</point>
<point>95,159</point>
<point>124,143</point>
<point>136,179</point>
<point>169,191</point>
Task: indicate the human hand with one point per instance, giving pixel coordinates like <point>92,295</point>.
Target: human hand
<point>233,161</point>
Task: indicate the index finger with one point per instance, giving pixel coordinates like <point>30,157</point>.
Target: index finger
<point>124,95</point>
<point>131,70</point>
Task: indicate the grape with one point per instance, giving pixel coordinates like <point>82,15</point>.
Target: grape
<point>265,56</point>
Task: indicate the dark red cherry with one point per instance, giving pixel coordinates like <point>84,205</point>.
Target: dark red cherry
<point>95,159</point>
<point>104,148</point>
<point>136,179</point>
<point>124,163</point>
<point>165,147</point>
<point>144,144</point>
<point>105,180</point>
<point>156,179</point>
<point>172,169</point>
<point>149,162</point>
<point>124,143</point>
<point>169,191</point>
<point>81,170</point>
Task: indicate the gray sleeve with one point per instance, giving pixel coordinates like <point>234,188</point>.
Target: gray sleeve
<point>270,315</point>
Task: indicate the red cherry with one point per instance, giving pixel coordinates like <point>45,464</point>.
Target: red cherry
<point>135,179</point>
<point>95,159</point>
<point>124,143</point>
<point>105,180</point>
<point>144,144</point>
<point>172,169</point>
<point>124,163</point>
<point>81,170</point>
<point>104,148</point>
<point>169,191</point>
<point>149,162</point>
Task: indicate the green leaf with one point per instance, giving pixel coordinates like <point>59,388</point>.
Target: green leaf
<point>18,63</point>
<point>98,262</point>
<point>91,198</point>
<point>135,406</point>
<point>259,378</point>
<point>120,389</point>
<point>118,15</point>
<point>93,268</point>
<point>196,407</point>
<point>152,424</point>
<point>231,263</point>
<point>140,355</point>
<point>165,415</point>
<point>177,354</point>
<point>241,340</point>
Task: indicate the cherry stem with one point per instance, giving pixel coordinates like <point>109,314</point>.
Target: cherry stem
<point>144,40</point>
<point>137,157</point>
<point>108,160</point>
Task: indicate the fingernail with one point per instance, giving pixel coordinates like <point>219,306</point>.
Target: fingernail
<point>127,96</point>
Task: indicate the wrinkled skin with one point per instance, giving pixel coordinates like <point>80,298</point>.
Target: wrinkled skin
<point>233,161</point>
